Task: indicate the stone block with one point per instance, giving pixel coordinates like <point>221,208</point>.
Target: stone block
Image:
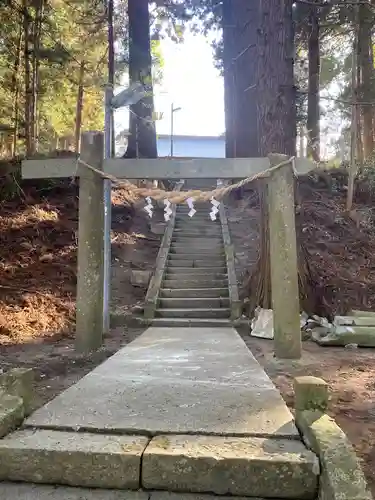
<point>19,382</point>
<point>356,312</point>
<point>140,278</point>
<point>342,477</point>
<point>17,491</point>
<point>363,336</point>
<point>231,466</point>
<point>354,321</point>
<point>157,227</point>
<point>72,458</point>
<point>11,413</point>
<point>311,393</point>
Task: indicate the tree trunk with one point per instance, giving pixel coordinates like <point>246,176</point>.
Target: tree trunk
<point>240,22</point>
<point>365,62</point>
<point>276,103</point>
<point>39,10</point>
<point>28,92</point>
<point>111,65</point>
<point>313,110</point>
<point>142,138</point>
<point>355,117</point>
<point>229,83</point>
<point>244,68</point>
<point>276,114</point>
<point>359,94</point>
<point>79,108</point>
<point>16,91</point>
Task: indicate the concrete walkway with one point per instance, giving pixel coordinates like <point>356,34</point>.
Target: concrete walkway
<point>175,381</point>
<point>184,410</point>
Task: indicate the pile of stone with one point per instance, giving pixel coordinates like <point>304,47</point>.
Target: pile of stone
<point>354,330</point>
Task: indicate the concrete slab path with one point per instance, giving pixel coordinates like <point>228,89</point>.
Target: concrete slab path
<point>174,381</point>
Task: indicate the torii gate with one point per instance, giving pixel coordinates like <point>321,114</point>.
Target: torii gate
<point>92,305</point>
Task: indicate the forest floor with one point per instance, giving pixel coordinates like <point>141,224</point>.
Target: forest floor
<point>38,243</point>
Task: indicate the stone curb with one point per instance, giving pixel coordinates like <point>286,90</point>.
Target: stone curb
<point>11,413</point>
<point>342,477</point>
<point>311,393</point>
<point>341,474</point>
<point>15,398</point>
<point>235,303</point>
<point>19,382</point>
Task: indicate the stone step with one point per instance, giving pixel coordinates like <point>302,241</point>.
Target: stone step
<point>190,242</point>
<point>198,232</point>
<point>176,283</point>
<point>197,270</point>
<point>196,221</point>
<point>173,261</point>
<point>204,233</point>
<point>194,292</point>
<point>200,240</point>
<point>217,238</point>
<point>206,254</point>
<point>194,252</point>
<point>199,208</point>
<point>197,224</point>
<point>197,204</point>
<point>199,302</point>
<point>193,313</point>
<point>72,458</point>
<point>192,322</point>
<point>206,247</point>
<point>195,276</point>
<point>200,212</point>
<point>198,216</point>
<point>187,221</point>
<point>249,467</point>
<point>193,246</point>
<point>184,224</point>
<point>218,256</point>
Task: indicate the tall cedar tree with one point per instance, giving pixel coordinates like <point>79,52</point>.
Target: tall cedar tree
<point>313,110</point>
<point>275,79</point>
<point>142,138</point>
<point>239,23</point>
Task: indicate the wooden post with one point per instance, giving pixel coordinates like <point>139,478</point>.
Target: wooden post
<point>284,263</point>
<point>90,275</point>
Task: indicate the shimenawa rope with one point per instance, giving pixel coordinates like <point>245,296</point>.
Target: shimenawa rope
<point>196,194</point>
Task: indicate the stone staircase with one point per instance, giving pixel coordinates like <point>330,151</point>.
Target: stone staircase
<point>194,289</point>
